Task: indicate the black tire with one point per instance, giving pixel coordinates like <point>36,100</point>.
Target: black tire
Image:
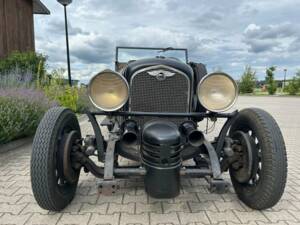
<point>268,184</point>
<point>48,192</point>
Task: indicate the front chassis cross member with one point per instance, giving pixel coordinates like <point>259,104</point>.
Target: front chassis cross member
<point>107,183</point>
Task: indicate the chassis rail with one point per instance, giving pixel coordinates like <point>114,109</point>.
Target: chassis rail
<point>167,114</point>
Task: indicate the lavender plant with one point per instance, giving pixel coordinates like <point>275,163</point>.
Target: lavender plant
<point>21,110</point>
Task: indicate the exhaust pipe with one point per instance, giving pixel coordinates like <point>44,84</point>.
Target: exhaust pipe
<point>130,130</point>
<point>194,136</point>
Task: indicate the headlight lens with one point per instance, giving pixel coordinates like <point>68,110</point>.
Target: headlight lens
<point>108,90</point>
<point>217,92</point>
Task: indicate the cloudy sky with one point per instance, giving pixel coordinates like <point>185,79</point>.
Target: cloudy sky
<point>222,34</point>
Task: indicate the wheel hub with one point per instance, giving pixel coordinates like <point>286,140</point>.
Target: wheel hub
<point>247,157</point>
<point>66,169</point>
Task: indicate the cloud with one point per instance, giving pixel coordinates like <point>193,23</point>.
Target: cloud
<point>270,37</point>
<point>271,31</point>
<point>227,35</point>
<point>57,27</point>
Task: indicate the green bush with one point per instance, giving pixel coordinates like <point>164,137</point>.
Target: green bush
<point>83,102</point>
<point>20,112</point>
<point>74,97</point>
<point>293,86</point>
<point>271,83</point>
<point>28,62</point>
<point>248,81</point>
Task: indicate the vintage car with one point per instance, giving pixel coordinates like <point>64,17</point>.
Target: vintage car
<point>152,110</point>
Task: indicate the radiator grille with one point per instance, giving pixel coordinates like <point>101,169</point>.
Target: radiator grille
<point>148,94</point>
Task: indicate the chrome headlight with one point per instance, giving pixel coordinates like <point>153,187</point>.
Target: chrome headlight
<point>108,90</point>
<point>217,92</point>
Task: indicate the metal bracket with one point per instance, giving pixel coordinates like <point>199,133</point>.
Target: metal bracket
<point>217,183</point>
<point>108,185</point>
<point>98,135</point>
<point>218,186</point>
<point>223,132</point>
<point>214,160</point>
<point>109,160</point>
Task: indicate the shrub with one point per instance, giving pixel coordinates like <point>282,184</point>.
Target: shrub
<point>248,81</point>
<point>20,112</point>
<point>83,102</point>
<point>271,83</point>
<point>15,78</point>
<point>25,62</point>
<point>293,86</point>
<point>74,97</point>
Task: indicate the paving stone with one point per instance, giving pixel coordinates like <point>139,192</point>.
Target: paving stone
<point>34,207</point>
<point>5,178</point>
<point>229,197</point>
<point>155,200</point>
<point>13,209</point>
<point>246,217</point>
<point>184,197</point>
<point>131,219</point>
<point>278,223</point>
<point>98,219</point>
<point>228,216</point>
<point>144,208</point>
<point>113,198</point>
<point>21,184</point>
<point>25,199</point>
<point>72,208</point>
<point>8,191</point>
<point>204,197</point>
<point>9,199</point>
<point>39,219</point>
<point>203,206</point>
<point>71,219</point>
<point>175,207</point>
<point>7,184</point>
<point>285,205</point>
<point>23,191</point>
<point>9,219</point>
<point>135,198</point>
<point>196,189</point>
<point>20,178</point>
<point>85,199</point>
<point>94,208</point>
<point>124,208</point>
<point>282,215</point>
<point>167,218</point>
<point>188,218</point>
<point>233,205</point>
<point>296,215</point>
<point>83,190</point>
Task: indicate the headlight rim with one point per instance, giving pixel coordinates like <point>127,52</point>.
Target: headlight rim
<point>101,108</point>
<point>234,83</point>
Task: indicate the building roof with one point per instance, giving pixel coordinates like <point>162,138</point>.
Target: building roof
<point>40,8</point>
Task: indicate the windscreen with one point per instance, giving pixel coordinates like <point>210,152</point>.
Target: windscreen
<point>126,54</point>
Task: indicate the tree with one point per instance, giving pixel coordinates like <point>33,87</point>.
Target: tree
<point>248,81</point>
<point>293,86</point>
<point>270,81</point>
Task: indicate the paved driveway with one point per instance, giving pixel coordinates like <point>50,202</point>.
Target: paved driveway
<point>131,206</point>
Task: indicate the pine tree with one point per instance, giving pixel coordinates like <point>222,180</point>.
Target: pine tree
<point>248,81</point>
<point>270,81</point>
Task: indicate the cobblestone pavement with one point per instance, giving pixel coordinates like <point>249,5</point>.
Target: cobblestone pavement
<point>131,206</point>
